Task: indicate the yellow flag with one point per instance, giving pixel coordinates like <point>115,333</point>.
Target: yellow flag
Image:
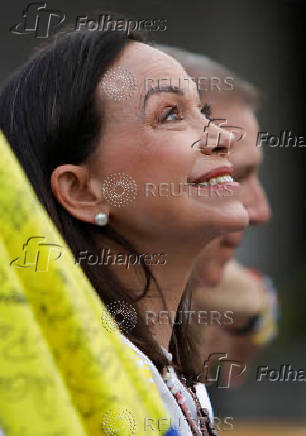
<point>62,373</point>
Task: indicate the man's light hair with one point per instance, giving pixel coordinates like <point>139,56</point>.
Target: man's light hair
<point>198,65</point>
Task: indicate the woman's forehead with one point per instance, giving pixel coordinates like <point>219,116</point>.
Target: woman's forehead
<point>145,61</point>
<point>140,68</point>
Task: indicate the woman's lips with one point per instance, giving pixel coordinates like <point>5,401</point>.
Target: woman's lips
<point>216,176</point>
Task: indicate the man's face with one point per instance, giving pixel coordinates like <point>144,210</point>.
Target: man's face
<point>246,158</point>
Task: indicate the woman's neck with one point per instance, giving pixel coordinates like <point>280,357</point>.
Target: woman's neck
<point>159,305</point>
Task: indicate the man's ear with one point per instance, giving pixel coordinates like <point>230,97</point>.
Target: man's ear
<point>80,194</point>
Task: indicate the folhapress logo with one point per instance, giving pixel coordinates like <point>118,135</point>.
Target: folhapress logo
<point>236,133</point>
<point>225,371</point>
<point>38,20</point>
<point>37,254</point>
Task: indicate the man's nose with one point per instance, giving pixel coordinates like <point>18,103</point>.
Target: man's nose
<point>257,205</point>
<point>215,139</point>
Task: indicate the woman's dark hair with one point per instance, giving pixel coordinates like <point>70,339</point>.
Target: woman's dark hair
<point>50,116</point>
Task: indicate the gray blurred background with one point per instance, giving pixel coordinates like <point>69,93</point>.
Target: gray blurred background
<point>264,42</point>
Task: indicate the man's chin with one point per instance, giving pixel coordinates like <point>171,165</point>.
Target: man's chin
<point>215,275</point>
<point>232,240</point>
<point>228,246</point>
<point>218,254</point>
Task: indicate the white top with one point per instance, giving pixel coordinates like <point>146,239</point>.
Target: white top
<point>178,420</point>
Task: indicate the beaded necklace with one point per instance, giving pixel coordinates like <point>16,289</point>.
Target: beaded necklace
<point>206,427</point>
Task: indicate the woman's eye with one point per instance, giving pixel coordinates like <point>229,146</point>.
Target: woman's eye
<point>172,115</point>
<point>206,111</point>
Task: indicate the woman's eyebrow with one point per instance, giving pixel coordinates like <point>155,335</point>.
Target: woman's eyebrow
<point>152,91</point>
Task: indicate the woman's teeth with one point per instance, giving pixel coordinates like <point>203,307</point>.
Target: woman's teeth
<point>216,181</point>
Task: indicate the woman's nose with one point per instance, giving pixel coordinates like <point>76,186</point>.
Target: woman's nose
<point>216,139</point>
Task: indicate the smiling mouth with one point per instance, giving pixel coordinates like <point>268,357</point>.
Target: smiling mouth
<point>219,176</point>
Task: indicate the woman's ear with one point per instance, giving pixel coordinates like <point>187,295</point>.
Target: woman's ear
<point>80,194</point>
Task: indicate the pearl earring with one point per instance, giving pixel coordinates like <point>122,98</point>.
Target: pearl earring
<point>101,219</point>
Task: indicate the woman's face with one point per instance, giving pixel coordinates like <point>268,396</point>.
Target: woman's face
<point>147,136</point>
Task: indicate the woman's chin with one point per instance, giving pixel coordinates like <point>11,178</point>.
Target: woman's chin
<point>221,217</point>
<point>231,217</point>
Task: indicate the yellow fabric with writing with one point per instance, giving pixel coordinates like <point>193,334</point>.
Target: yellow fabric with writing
<point>62,373</point>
